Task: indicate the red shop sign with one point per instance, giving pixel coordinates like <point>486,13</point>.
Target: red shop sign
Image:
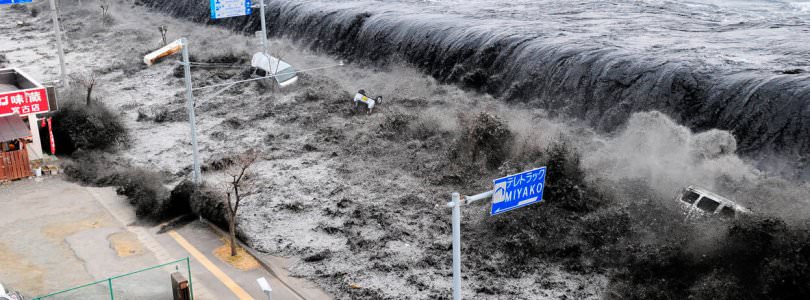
<point>24,102</point>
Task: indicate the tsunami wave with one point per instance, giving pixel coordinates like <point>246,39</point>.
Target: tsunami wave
<point>746,75</point>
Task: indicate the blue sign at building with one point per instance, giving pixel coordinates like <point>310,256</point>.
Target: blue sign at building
<point>519,190</point>
<point>14,1</point>
<point>229,8</point>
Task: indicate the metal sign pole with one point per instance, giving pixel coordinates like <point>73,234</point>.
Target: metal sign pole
<point>190,106</point>
<point>456,246</point>
<point>264,29</point>
<point>508,193</point>
<point>456,205</point>
<point>58,33</point>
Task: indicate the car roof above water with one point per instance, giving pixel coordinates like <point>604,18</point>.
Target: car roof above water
<point>723,200</point>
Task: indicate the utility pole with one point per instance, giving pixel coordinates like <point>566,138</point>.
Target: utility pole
<point>58,32</point>
<point>190,106</point>
<point>264,30</point>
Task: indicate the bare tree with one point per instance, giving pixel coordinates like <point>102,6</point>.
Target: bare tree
<point>239,180</point>
<point>106,19</point>
<point>88,81</point>
<point>163,30</point>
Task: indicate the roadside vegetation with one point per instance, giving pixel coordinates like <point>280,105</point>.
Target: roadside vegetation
<point>145,189</point>
<point>91,134</point>
<point>236,187</point>
<point>82,124</point>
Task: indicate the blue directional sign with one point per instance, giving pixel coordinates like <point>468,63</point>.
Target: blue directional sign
<point>14,1</point>
<point>229,8</point>
<point>519,190</point>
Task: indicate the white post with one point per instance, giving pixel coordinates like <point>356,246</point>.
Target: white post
<point>265,286</point>
<point>264,31</point>
<point>58,32</point>
<point>36,146</point>
<point>456,246</point>
<point>190,107</point>
<point>456,223</point>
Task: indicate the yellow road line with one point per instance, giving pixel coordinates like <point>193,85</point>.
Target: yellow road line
<point>227,281</point>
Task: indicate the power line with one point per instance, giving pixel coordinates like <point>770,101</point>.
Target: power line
<point>207,63</point>
<point>220,67</point>
<point>229,84</point>
<point>211,96</point>
<point>215,65</point>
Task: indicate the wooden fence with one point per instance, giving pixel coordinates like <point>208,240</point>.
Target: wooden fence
<point>14,165</point>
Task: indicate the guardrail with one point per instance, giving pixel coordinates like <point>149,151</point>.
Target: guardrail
<point>140,284</point>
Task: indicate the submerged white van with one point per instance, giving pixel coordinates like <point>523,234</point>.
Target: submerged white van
<point>698,202</point>
<point>284,73</point>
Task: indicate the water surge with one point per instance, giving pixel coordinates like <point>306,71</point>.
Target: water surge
<point>767,111</point>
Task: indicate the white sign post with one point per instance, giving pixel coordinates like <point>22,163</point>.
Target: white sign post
<point>192,120</point>
<point>510,192</point>
<point>266,288</point>
<point>264,28</point>
<point>172,48</point>
<point>58,31</point>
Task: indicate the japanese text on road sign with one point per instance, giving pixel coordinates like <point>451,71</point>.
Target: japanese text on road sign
<point>230,8</point>
<point>24,102</point>
<point>519,190</point>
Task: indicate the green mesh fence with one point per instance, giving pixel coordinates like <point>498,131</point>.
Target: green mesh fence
<point>150,283</point>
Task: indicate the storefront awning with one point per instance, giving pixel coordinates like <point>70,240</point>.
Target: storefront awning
<point>12,127</point>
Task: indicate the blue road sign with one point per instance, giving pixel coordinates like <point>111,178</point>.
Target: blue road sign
<point>229,8</point>
<point>14,1</point>
<point>519,190</point>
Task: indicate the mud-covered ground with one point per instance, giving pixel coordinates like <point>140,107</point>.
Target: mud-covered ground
<point>358,200</point>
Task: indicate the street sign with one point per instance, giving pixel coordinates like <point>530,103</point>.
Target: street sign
<point>519,190</point>
<point>510,192</point>
<point>14,1</point>
<point>24,102</point>
<point>229,8</point>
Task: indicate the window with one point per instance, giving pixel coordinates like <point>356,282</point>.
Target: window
<point>708,205</point>
<point>727,212</point>
<point>690,197</point>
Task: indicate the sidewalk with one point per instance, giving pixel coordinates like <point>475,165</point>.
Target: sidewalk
<point>212,276</point>
<point>277,266</point>
<point>60,235</point>
<point>205,241</point>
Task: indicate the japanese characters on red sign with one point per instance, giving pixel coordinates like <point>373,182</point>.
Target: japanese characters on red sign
<point>24,102</point>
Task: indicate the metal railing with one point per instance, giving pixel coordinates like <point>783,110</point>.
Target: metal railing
<point>140,284</point>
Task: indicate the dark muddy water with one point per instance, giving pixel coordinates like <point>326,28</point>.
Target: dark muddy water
<point>736,34</point>
<point>737,65</point>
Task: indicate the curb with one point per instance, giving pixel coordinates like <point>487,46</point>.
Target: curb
<point>265,264</point>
